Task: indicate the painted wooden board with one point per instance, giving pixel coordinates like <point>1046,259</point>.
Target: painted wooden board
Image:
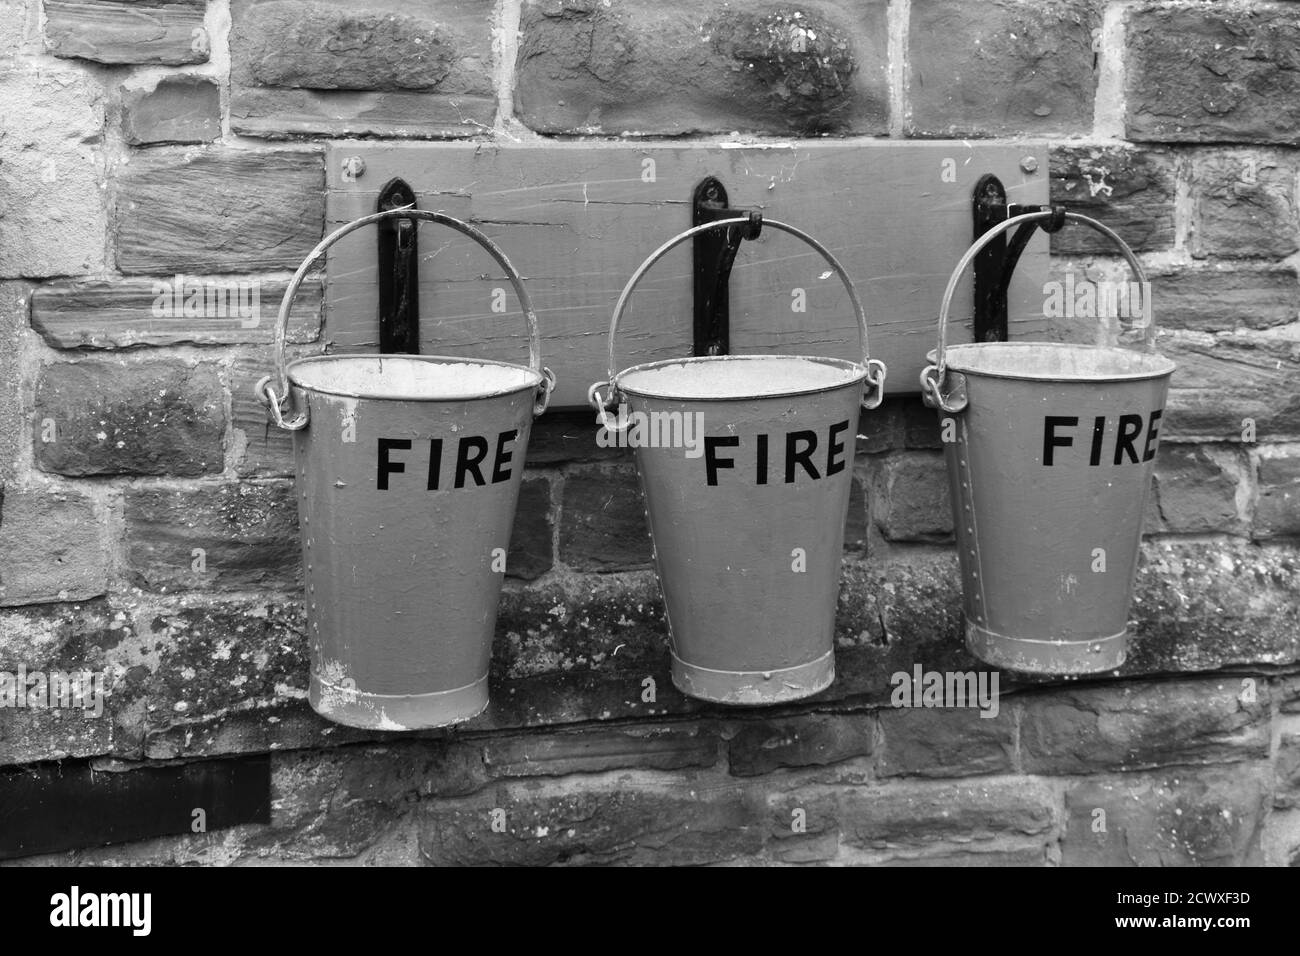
<point>578,218</point>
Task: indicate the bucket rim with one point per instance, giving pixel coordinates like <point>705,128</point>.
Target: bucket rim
<point>859,370</point>
<point>536,377</point>
<point>954,363</point>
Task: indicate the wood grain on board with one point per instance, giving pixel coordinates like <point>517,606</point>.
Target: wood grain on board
<point>578,218</point>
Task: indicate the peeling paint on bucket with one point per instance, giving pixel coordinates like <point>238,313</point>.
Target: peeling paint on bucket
<point>1049,477</point>
<point>1050,451</point>
<point>749,536</point>
<point>748,526</point>
<point>407,477</point>
<point>404,504</point>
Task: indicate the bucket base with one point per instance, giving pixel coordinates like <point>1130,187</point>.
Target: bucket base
<point>754,687</point>
<point>1046,657</point>
<point>354,708</point>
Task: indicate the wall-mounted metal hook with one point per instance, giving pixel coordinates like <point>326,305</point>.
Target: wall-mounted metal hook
<point>996,262</point>
<point>714,255</point>
<point>989,204</point>
<point>399,275</point>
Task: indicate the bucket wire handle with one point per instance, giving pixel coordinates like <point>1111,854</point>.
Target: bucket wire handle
<point>874,392</point>
<point>278,397</point>
<point>933,377</point>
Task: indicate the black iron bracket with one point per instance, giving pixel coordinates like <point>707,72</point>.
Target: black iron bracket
<point>715,253</point>
<point>996,262</point>
<point>399,275</point>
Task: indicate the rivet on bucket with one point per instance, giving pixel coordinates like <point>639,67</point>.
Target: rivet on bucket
<point>408,469</point>
<point>1049,463</point>
<point>747,521</point>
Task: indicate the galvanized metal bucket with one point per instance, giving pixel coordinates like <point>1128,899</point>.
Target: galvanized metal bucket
<point>408,470</point>
<point>1050,451</point>
<point>747,509</point>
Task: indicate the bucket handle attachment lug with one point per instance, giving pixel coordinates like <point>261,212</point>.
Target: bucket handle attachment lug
<point>602,405</point>
<point>950,397</point>
<point>936,388</point>
<point>277,398</point>
<point>544,391</point>
<point>266,395</point>
<point>873,392</point>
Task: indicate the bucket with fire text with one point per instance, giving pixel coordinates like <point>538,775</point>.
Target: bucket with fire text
<point>747,512</point>
<point>1050,449</point>
<point>407,475</point>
